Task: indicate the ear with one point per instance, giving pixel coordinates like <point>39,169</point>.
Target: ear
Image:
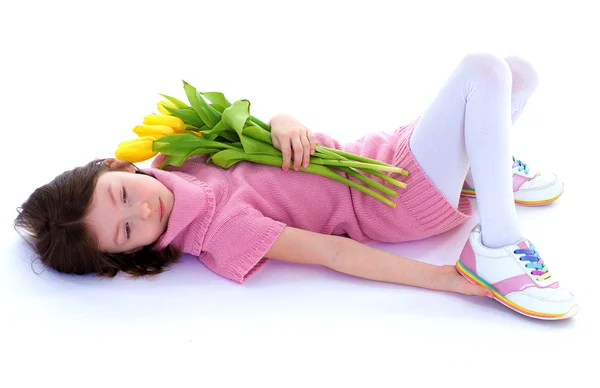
<point>119,165</point>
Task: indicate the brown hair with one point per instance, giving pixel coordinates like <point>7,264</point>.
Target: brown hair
<point>54,217</point>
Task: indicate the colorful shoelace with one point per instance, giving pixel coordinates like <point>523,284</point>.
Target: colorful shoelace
<point>535,261</point>
<point>522,166</point>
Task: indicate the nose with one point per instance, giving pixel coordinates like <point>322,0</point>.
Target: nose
<point>145,211</point>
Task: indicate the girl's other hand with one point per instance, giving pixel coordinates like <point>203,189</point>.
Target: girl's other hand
<point>290,135</point>
<point>455,282</point>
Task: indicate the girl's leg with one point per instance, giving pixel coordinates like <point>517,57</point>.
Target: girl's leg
<point>468,123</point>
<point>524,82</point>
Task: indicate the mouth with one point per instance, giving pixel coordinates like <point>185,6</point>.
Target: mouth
<point>161,207</point>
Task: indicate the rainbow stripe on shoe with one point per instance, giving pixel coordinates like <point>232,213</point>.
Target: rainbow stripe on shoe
<point>473,278</point>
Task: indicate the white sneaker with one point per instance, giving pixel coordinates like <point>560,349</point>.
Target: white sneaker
<point>530,188</point>
<point>517,276</point>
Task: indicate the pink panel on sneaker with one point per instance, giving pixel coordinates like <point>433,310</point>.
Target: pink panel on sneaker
<point>467,257</point>
<point>518,181</point>
<point>523,245</point>
<point>516,283</point>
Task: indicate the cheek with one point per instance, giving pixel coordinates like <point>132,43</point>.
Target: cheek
<point>143,192</point>
<point>149,233</point>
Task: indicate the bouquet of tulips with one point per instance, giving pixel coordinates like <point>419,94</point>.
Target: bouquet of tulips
<point>211,125</point>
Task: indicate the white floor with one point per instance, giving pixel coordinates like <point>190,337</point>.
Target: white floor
<point>75,78</point>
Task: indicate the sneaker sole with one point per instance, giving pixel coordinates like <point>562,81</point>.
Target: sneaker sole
<point>468,192</point>
<point>473,278</point>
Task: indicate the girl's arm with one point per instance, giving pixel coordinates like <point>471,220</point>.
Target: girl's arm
<point>353,258</point>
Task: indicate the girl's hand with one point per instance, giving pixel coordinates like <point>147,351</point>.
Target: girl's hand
<point>289,134</point>
<point>452,281</point>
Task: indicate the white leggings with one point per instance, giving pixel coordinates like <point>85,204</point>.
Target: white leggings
<point>468,124</point>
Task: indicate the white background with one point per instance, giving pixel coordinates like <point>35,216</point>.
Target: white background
<point>76,77</point>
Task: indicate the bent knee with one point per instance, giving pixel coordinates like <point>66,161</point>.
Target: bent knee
<point>525,77</point>
<point>487,68</point>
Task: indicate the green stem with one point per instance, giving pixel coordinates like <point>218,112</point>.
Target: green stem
<point>364,159</point>
<point>350,163</point>
<point>386,178</point>
<point>325,153</point>
<point>322,152</point>
<point>369,181</point>
<point>260,123</point>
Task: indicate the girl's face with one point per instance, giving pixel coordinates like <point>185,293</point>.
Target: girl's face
<point>128,211</point>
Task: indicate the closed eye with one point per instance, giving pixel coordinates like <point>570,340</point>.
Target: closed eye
<point>127,228</point>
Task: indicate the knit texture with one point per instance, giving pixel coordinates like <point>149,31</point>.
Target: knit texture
<point>230,218</point>
<point>421,209</point>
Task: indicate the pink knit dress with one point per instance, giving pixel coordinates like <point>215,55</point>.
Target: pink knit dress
<point>230,218</point>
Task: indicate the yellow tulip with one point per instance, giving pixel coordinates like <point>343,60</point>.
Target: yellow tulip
<point>162,109</point>
<point>174,122</point>
<point>154,131</point>
<point>136,150</point>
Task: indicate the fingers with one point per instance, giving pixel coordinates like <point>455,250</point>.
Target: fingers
<point>286,154</point>
<point>305,150</point>
<point>298,151</point>
<point>301,144</point>
<point>454,281</point>
<point>476,289</point>
<point>312,140</point>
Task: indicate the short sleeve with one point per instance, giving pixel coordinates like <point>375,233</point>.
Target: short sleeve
<point>236,247</point>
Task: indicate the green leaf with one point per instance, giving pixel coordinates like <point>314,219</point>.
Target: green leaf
<point>178,103</point>
<point>188,115</point>
<point>230,136</point>
<point>255,147</point>
<point>207,113</point>
<point>173,160</point>
<point>258,122</point>
<point>184,143</point>
<point>213,114</point>
<point>256,132</point>
<point>224,135</point>
<point>228,158</point>
<point>179,144</point>
<point>203,151</point>
<point>235,116</point>
<point>211,136</point>
<point>215,131</point>
<point>178,160</point>
<point>217,98</point>
<point>218,108</point>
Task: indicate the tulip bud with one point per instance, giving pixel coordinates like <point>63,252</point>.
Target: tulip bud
<point>174,122</point>
<point>162,109</point>
<point>136,150</point>
<point>154,131</point>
